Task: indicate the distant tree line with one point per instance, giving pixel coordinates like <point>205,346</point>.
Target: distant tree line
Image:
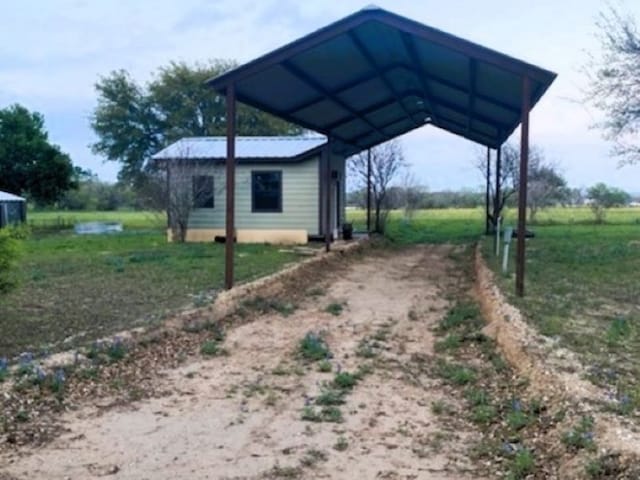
<point>91,193</point>
<point>420,198</point>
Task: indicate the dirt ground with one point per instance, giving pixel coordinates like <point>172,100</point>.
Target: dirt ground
<point>238,416</point>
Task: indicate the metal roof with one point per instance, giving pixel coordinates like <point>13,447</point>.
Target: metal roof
<point>374,75</point>
<point>255,148</point>
<point>10,197</point>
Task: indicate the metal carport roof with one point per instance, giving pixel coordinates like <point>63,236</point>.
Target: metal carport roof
<point>374,75</point>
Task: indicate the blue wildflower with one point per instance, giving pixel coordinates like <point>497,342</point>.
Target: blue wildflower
<point>516,405</point>
<point>59,376</point>
<point>26,358</point>
<point>4,364</point>
<point>40,373</point>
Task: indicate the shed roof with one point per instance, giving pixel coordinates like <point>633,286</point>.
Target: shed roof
<point>10,197</point>
<point>374,75</point>
<point>256,148</point>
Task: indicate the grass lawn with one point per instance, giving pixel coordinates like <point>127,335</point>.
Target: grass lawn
<point>463,225</point>
<point>57,220</point>
<point>79,288</point>
<point>582,281</point>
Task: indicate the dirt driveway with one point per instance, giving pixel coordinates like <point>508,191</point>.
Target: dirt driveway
<point>240,415</point>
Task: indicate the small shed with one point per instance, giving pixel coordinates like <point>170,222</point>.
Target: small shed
<point>13,209</point>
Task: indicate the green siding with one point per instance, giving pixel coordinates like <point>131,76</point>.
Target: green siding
<point>299,198</point>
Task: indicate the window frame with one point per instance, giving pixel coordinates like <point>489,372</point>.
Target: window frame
<point>254,174</point>
<point>194,180</point>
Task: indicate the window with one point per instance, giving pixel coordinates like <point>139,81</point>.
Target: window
<point>203,191</point>
<point>266,190</point>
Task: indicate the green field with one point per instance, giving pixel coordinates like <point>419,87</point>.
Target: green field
<point>57,220</point>
<point>74,289</point>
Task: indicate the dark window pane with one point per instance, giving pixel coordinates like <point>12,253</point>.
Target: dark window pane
<point>203,191</point>
<point>266,190</point>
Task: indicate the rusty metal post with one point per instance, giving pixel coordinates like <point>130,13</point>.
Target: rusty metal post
<point>522,188</point>
<point>496,204</point>
<point>327,206</point>
<point>369,191</point>
<point>231,184</point>
<point>488,193</point>
<point>496,200</point>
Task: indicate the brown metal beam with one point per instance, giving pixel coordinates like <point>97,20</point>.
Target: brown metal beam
<point>407,40</point>
<point>488,192</point>
<point>326,155</point>
<point>380,105</point>
<point>483,54</point>
<point>347,86</point>
<point>448,83</point>
<point>496,200</point>
<point>231,183</point>
<point>372,62</point>
<point>369,191</point>
<point>522,192</point>
<point>427,76</point>
<point>261,106</point>
<point>301,75</point>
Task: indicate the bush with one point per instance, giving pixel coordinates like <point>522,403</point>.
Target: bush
<point>10,250</point>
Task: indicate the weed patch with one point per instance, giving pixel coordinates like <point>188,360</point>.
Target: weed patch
<point>522,464</point>
<point>454,373</point>
<point>345,380</point>
<point>463,314</point>
<point>580,436</point>
<point>334,309</point>
<point>331,414</point>
<point>313,347</point>
<point>341,444</point>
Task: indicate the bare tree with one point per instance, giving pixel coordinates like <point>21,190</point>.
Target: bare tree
<point>387,162</point>
<point>545,185</point>
<point>507,182</point>
<point>614,79</point>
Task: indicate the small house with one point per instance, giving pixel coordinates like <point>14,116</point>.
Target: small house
<point>13,209</point>
<point>280,188</point>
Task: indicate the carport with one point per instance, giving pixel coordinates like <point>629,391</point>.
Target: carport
<point>375,75</point>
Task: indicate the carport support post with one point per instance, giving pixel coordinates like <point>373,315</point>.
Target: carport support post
<point>496,201</point>
<point>231,184</point>
<point>369,191</point>
<point>488,192</point>
<point>326,153</point>
<point>522,190</point>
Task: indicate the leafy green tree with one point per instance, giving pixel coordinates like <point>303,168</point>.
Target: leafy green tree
<point>134,121</point>
<point>614,81</point>
<point>94,194</point>
<point>30,165</point>
<point>602,197</point>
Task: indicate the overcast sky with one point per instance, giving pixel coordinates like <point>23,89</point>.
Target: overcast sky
<point>53,51</point>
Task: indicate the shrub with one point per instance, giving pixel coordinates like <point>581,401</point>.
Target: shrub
<point>209,348</point>
<point>580,436</point>
<point>345,380</point>
<point>10,250</point>
<point>313,347</point>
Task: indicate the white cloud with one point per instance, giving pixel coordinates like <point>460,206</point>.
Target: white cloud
<point>52,52</point>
